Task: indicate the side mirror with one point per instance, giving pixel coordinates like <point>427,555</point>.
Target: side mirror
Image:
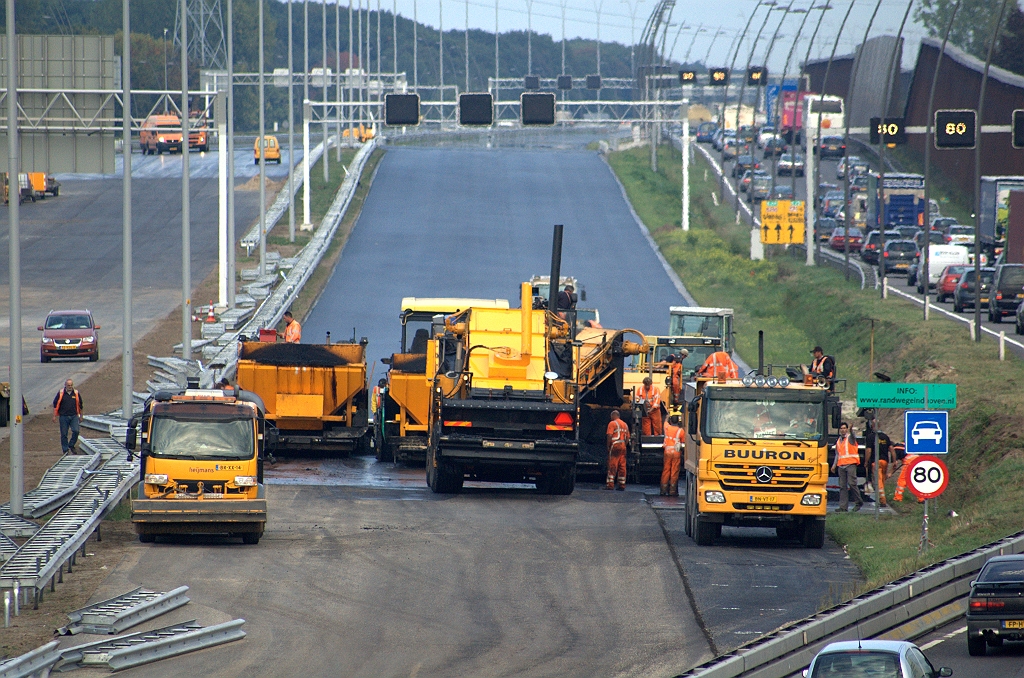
<point>691,424</point>
<point>804,673</point>
<point>40,328</point>
<point>97,327</point>
<point>131,438</point>
<point>945,671</point>
<point>837,414</point>
<point>271,437</point>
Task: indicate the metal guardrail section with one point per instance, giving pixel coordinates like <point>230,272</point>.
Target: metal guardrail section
<point>791,648</point>
<point>90,654</point>
<point>102,422</point>
<point>55,543</point>
<point>7,548</point>
<point>105,447</point>
<point>16,526</point>
<point>119,654</point>
<point>38,662</point>
<point>271,311</point>
<point>124,611</point>
<point>280,206</point>
<point>57,485</point>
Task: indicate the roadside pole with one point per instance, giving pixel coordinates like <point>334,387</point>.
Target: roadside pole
<point>231,155</point>
<point>306,112</point>
<point>186,225</point>
<point>811,206</point>
<point>325,158</point>
<point>261,144</point>
<point>686,165</point>
<point>127,362</point>
<point>14,250</point>
<point>223,244</point>
<point>291,131</point>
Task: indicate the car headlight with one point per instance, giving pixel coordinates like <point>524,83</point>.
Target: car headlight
<point>245,481</point>
<point>156,478</point>
<point>89,339</point>
<point>47,340</point>
<point>811,500</point>
<point>714,497</point>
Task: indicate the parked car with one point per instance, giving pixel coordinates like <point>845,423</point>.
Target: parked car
<point>789,164</point>
<point>960,235</point>
<point>824,189</point>
<point>749,175</point>
<point>934,237</point>
<point>273,150</point>
<point>898,255</point>
<point>706,131</point>
<point>855,239</point>
<point>781,192</point>
<point>743,163</point>
<point>882,658</point>
<point>729,148</point>
<point>824,227</point>
<point>831,147</point>
<point>859,184</point>
<point>69,334</point>
<point>1008,289</point>
<point>872,245</point>
<point>939,257</point>
<point>995,608</point>
<point>948,280</point>
<point>963,296</point>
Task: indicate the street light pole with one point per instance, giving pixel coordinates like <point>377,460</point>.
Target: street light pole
<point>467,46</point>
<point>186,224</point>
<point>231,156</point>
<point>165,71</point>
<point>261,144</point>
<point>291,134</point>
<point>127,359</point>
<point>440,56</point>
<point>598,4</point>
<point>14,268</point>
<point>529,37</point>
<point>323,83</point>
<point>700,29</point>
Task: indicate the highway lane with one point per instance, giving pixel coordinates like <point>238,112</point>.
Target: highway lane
<point>475,223</point>
<point>947,646</point>
<point>71,257</point>
<point>202,165</point>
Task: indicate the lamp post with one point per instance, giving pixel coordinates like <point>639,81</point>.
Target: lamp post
<point>777,118</point>
<point>165,71</point>
<point>693,41</point>
<point>529,37</point>
<point>598,6</point>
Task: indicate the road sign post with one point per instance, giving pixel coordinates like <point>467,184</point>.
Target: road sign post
<point>927,478</point>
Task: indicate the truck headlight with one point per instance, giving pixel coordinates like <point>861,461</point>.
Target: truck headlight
<point>161,140</point>
<point>245,481</point>
<point>714,497</point>
<point>811,500</point>
<point>156,478</point>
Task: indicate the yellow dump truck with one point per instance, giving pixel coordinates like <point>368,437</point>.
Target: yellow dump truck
<point>402,409</point>
<point>201,461</point>
<point>504,402</point>
<point>756,456</point>
<point>315,394</point>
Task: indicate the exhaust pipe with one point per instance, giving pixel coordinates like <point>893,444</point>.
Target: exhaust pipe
<point>526,322</point>
<point>760,352</point>
<point>556,269</point>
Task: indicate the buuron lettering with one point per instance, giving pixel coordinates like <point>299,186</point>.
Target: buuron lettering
<point>784,455</point>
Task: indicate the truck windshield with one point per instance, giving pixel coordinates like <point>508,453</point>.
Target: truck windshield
<point>696,325</point>
<point>202,439</point>
<point>764,418</point>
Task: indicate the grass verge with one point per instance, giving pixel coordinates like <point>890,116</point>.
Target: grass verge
<point>799,307</point>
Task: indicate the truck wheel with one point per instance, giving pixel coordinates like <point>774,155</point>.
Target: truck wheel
<point>561,482</point>
<point>251,538</point>
<point>705,532</point>
<point>450,478</point>
<point>147,538</point>
<point>690,507</point>
<point>814,534</point>
<point>5,412</point>
<point>976,646</point>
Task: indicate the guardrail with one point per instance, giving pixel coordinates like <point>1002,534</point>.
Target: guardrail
<point>58,483</point>
<point>889,607</point>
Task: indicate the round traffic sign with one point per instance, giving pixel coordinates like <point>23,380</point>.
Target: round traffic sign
<point>928,477</point>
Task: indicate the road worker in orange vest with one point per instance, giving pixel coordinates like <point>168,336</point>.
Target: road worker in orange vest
<point>672,452</point>
<point>674,364</point>
<point>846,462</point>
<point>719,365</point>
<point>648,397</point>
<point>292,329</point>
<point>67,407</point>
<point>617,440</point>
<point>904,477</point>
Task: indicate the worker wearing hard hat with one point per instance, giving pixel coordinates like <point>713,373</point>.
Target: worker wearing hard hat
<point>648,398</point>
<point>675,374</point>
<point>616,440</point>
<point>672,451</point>
<point>719,365</point>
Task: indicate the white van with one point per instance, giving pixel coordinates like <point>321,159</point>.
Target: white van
<point>941,256</point>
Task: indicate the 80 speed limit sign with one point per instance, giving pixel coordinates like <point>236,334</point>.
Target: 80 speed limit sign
<point>927,477</point>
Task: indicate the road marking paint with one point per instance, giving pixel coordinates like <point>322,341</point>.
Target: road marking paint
<point>937,641</point>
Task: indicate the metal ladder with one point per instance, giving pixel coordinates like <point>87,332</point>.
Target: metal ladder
<point>57,485</point>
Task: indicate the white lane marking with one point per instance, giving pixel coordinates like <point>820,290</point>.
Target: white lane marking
<point>953,316</point>
<point>951,634</point>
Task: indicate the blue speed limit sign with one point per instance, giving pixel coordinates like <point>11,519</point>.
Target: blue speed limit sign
<point>927,432</point>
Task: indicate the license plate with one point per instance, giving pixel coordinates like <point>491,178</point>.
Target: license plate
<point>902,265</point>
<point>213,495</point>
<point>984,300</point>
<point>762,499</point>
<point>1013,624</point>
<point>68,348</point>
<point>508,445</point>
<point>1020,296</point>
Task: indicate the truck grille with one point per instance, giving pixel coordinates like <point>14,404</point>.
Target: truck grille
<point>741,506</point>
<point>784,478</point>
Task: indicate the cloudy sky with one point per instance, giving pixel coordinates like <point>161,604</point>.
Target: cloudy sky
<point>725,16</point>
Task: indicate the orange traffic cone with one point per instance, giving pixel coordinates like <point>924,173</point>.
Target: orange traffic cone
<point>210,317</point>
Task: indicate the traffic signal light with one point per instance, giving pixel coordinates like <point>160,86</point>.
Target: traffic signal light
<point>891,131</point>
<point>718,77</point>
<point>687,77</point>
<point>593,82</point>
<point>537,108</point>
<point>531,82</point>
<point>475,109</point>
<point>402,109</point>
<point>955,128</point>
<point>564,82</point>
<point>757,75</point>
<point>1017,137</point>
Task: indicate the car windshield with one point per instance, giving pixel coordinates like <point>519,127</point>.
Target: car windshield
<point>696,326</point>
<point>201,438</point>
<point>68,322</point>
<point>955,270</point>
<point>764,418</point>
<point>961,230</point>
<point>1003,572</point>
<point>170,125</point>
<point>857,664</point>
<point>1012,277</point>
<point>901,246</point>
<point>986,276</point>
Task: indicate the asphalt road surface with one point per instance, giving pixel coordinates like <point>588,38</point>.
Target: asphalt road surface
<point>947,646</point>
<point>71,258</point>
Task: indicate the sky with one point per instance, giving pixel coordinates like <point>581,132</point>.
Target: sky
<point>726,16</point>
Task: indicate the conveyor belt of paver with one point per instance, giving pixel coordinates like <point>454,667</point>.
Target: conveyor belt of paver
<point>57,485</point>
<point>16,526</point>
<point>55,543</point>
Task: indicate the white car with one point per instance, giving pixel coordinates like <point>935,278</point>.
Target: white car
<point>926,430</point>
<point>881,658</point>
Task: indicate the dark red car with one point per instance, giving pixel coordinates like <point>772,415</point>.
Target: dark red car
<point>856,239</point>
<point>948,279</point>
<point>69,334</point>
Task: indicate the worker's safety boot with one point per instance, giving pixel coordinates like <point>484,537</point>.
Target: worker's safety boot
<point>664,491</point>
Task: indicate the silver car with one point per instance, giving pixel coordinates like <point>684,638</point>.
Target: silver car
<point>875,658</point>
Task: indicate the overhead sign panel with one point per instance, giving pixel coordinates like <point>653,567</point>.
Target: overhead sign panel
<point>687,77</point>
<point>402,109</point>
<point>956,128</point>
<point>888,131</point>
<point>565,82</point>
<point>476,109</point>
<point>593,82</point>
<point>757,75</point>
<point>531,82</point>
<point>782,222</point>
<point>718,77</point>
<point>537,108</point>
<point>896,395</point>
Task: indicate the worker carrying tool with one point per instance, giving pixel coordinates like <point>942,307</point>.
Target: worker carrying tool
<point>292,329</point>
<point>719,365</point>
<point>672,452</point>
<point>648,398</point>
<point>616,440</point>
